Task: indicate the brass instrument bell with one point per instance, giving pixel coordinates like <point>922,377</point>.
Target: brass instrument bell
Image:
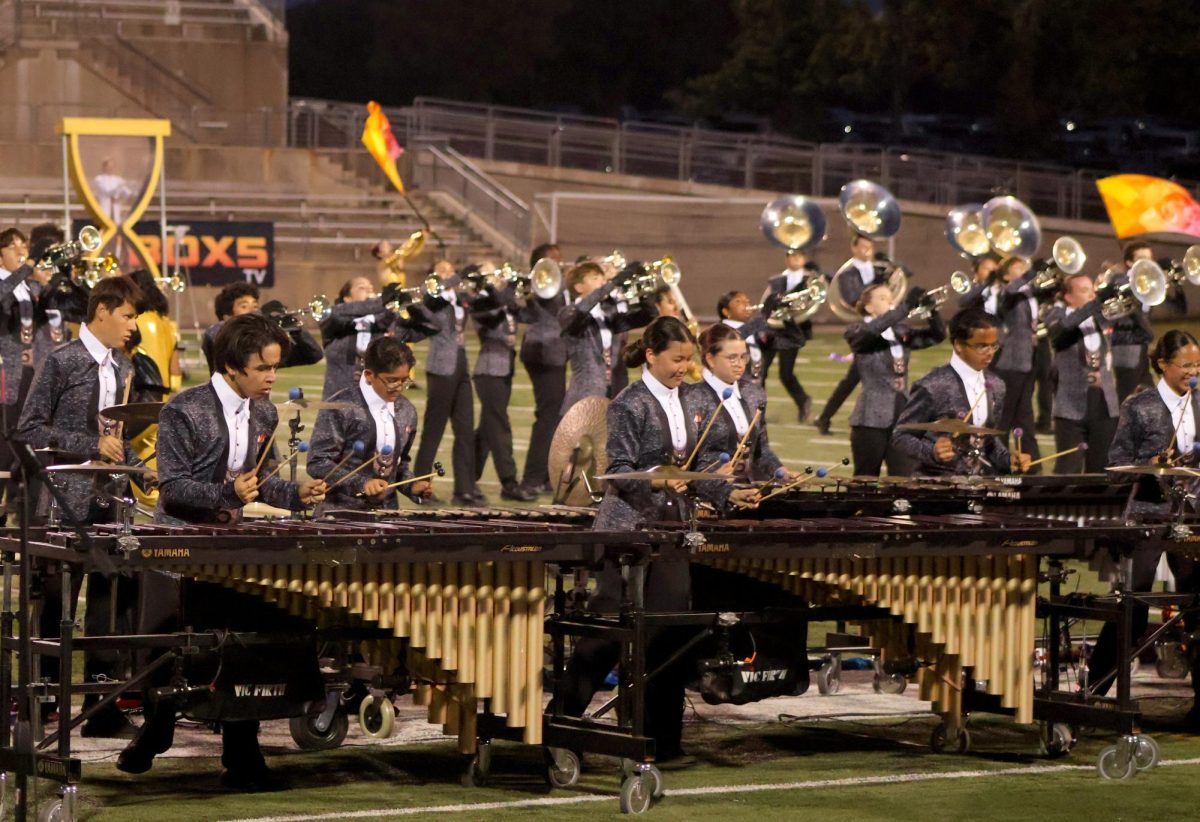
<point>1011,227</point>
<point>793,222</point>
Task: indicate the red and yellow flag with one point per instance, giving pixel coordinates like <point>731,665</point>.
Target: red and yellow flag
<point>381,143</point>
<point>1140,204</point>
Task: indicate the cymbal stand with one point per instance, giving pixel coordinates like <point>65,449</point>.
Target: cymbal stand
<point>295,427</point>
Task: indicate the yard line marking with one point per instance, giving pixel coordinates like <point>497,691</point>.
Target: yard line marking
<point>551,801</point>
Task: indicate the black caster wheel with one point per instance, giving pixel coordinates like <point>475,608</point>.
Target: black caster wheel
<point>1059,740</point>
<point>829,678</point>
<point>636,794</point>
<point>562,767</point>
<point>1113,764</point>
<point>479,768</point>
<point>940,743</point>
<point>1147,753</point>
<point>310,737</point>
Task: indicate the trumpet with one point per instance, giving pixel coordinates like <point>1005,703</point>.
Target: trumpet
<point>935,298</point>
<point>797,306</point>
<point>401,297</point>
<point>650,278</point>
<point>88,271</point>
<point>317,308</point>
<point>1066,257</point>
<point>70,251</point>
<point>544,280</point>
<point>175,283</point>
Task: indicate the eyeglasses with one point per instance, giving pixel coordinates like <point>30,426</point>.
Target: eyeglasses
<point>736,359</point>
<point>397,385</point>
<point>983,348</point>
<point>1186,366</point>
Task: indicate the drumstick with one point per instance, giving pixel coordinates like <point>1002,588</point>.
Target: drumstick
<point>1081,447</point>
<point>383,452</point>
<point>726,394</point>
<point>300,449</point>
<point>741,446</point>
<point>438,471</point>
<point>780,473</point>
<point>266,450</point>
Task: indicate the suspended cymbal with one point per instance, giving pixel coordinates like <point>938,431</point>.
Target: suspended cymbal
<point>664,472</point>
<point>134,412</point>
<point>59,452</point>
<point>950,425</point>
<point>312,405</point>
<point>1157,470</point>
<point>578,450</point>
<point>98,468</point>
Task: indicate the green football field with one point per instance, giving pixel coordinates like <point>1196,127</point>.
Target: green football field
<point>831,768</point>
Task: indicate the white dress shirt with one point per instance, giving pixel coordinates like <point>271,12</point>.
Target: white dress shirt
<point>1183,418</point>
<point>976,387</point>
<point>866,270</point>
<point>991,299</point>
<point>23,296</point>
<point>451,297</point>
<point>363,326</point>
<point>606,335</point>
<point>668,398</point>
<point>733,405</point>
<point>792,277</point>
<point>107,369</point>
<point>889,334</point>
<point>383,414</point>
<point>237,421</point>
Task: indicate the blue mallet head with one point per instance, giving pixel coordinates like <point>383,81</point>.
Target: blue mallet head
<point>385,450</point>
<point>727,393</point>
<point>780,473</point>
<point>358,447</point>
<point>822,471</point>
<point>723,458</point>
<point>302,447</point>
<point>296,393</point>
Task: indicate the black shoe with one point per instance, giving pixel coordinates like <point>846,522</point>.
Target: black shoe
<point>543,490</point>
<point>480,501</point>
<point>1191,720</point>
<point>822,425</point>
<point>675,761</point>
<point>518,493</point>
<point>135,759</point>
<point>109,726</point>
<point>252,780</point>
<point>805,409</point>
<point>463,500</point>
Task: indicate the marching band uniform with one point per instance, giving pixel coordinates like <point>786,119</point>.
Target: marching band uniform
<point>17,329</point>
<point>881,347</point>
<point>591,334</point>
<point>851,278</point>
<point>350,328</point>
<point>701,400</point>
<point>785,342</point>
<point>305,349</point>
<point>374,422</point>
<point>960,392</point>
<point>450,396</point>
<point>544,354</point>
<point>1085,402</point>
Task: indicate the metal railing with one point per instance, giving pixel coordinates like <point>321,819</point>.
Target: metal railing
<point>761,161</point>
<point>212,20</point>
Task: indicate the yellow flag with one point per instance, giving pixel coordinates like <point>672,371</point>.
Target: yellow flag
<point>1140,204</point>
<point>381,143</point>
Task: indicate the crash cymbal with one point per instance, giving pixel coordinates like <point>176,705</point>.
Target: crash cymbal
<point>952,426</point>
<point>665,472</point>
<point>579,449</point>
<point>59,452</point>
<point>134,412</point>
<point>313,405</point>
<point>98,468</point>
<point>1156,470</point>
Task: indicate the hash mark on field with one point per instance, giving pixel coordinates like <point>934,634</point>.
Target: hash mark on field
<point>715,790</point>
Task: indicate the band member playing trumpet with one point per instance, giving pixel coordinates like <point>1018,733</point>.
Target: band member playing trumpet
<point>962,390</point>
<point>1130,364</point>
<point>1156,426</point>
<point>787,341</point>
<point>591,329</point>
<point>544,355</point>
<point>242,298</point>
<point>881,346</point>
<point>383,420</point>
<point>1085,402</point>
<point>855,274</point>
<point>735,311</point>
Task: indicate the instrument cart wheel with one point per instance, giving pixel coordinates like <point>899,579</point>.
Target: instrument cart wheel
<point>1171,662</point>
<point>829,678</point>
<point>1147,753</point>
<point>636,793</point>
<point>61,808</point>
<point>940,743</point>
<point>890,683</point>
<point>1113,765</point>
<point>308,737</point>
<point>562,767</point>
<point>479,767</point>
<point>1059,740</point>
<point>629,768</point>
<point>376,716</point>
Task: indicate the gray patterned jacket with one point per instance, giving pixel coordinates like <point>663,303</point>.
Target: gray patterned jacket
<point>1144,431</point>
<point>193,448</point>
<point>938,395</point>
<point>446,347</point>
<point>60,412</point>
<point>791,337</point>
<point>543,343</point>
<point>342,359</point>
<point>881,392</point>
<point>10,328</point>
<point>1070,366</point>
<point>333,438</point>
<point>494,318</point>
<point>590,376</point>
<point>699,402</point>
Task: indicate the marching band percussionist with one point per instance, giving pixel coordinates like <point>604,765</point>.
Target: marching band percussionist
<point>881,346</point>
<point>1085,401</point>
<point>71,388</point>
<point>591,331</point>
<point>1156,426</point>
<point>787,341</point>
<point>382,419</point>
<point>211,438</point>
<point>648,426</point>
<point>855,274</point>
<point>962,390</point>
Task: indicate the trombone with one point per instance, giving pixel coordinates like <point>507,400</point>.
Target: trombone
<point>935,298</point>
<point>870,210</point>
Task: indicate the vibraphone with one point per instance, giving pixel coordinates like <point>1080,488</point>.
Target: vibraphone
<point>463,596</point>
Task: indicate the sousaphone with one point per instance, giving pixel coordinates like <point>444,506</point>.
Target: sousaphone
<point>870,210</point>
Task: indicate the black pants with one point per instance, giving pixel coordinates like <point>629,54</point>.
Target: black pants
<point>549,388</point>
<point>787,374</point>
<point>841,393</point>
<point>1096,429</point>
<point>9,413</point>
<point>870,447</point>
<point>1145,561</point>
<point>450,398</point>
<point>494,434</point>
<point>1017,410</point>
<point>1043,362</point>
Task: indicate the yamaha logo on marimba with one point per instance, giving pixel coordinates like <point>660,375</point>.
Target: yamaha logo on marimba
<point>1020,543</point>
<point>712,548</point>
<point>166,553</point>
